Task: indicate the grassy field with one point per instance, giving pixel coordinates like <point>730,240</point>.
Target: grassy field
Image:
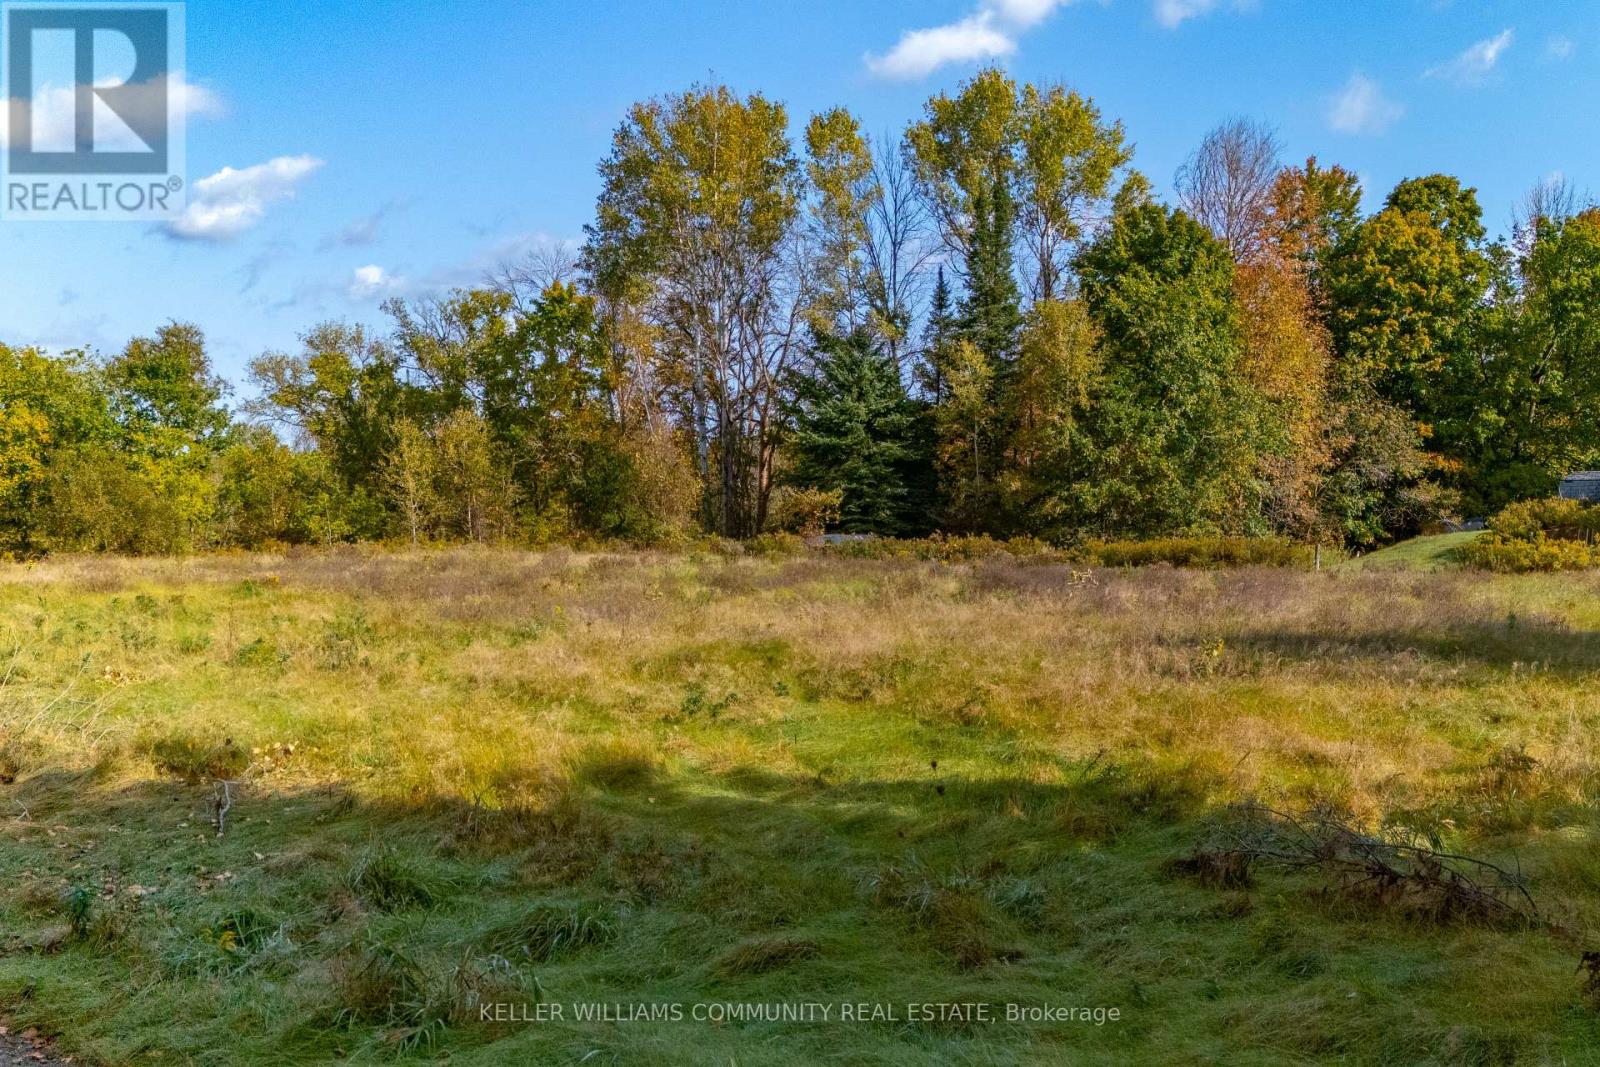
<point>468,783</point>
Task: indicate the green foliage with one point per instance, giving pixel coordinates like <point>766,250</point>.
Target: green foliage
<point>1178,432</point>
<point>78,904</point>
<point>48,406</point>
<point>991,310</point>
<point>343,392</point>
<point>268,493</point>
<point>1047,402</point>
<point>857,433</point>
<point>733,341</point>
<point>1406,296</point>
<point>99,500</point>
<point>965,436</point>
<point>164,394</point>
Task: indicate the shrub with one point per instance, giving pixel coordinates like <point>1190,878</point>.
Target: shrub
<point>262,653</point>
<point>776,545</point>
<point>1493,552</point>
<point>1551,518</point>
<point>804,511</point>
<point>1537,535</point>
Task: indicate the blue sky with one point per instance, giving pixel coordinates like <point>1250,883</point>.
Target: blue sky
<point>341,152</point>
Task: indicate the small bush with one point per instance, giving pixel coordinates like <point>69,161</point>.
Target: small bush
<point>261,654</point>
<point>1551,518</point>
<point>78,905</point>
<point>197,759</point>
<point>345,641</point>
<point>804,511</point>
<point>1537,535</point>
<point>776,545</point>
<point>1492,552</point>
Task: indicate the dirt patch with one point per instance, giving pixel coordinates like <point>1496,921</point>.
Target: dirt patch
<point>26,1049</point>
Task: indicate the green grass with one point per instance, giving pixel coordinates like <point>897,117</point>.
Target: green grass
<point>473,778</point>
<point>1420,553</point>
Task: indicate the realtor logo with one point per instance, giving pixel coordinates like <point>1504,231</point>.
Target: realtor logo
<point>92,129</point>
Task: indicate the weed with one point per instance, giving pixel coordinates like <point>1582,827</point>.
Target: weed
<point>260,654</point>
<point>387,879</point>
<point>549,931</point>
<point>697,702</point>
<point>78,905</point>
<point>345,641</point>
<point>378,982</point>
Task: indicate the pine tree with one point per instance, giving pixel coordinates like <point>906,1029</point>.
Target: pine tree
<point>991,314</point>
<point>937,337</point>
<point>856,431</point>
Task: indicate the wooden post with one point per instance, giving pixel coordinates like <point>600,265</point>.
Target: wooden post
<point>1316,557</point>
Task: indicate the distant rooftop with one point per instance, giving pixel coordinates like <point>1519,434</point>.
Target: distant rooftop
<point>1581,485</point>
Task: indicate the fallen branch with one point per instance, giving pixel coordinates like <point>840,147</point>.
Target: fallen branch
<point>1393,867</point>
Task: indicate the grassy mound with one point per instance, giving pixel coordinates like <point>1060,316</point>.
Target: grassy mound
<point>1420,553</point>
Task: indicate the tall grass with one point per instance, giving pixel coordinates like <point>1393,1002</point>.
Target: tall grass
<point>466,777</point>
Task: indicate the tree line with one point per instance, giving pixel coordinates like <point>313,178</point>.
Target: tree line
<point>986,325</point>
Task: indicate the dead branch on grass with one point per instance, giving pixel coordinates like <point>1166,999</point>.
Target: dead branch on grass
<point>1394,868</point>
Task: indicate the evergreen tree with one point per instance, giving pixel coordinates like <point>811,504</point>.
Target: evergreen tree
<point>937,337</point>
<point>856,430</point>
<point>991,313</point>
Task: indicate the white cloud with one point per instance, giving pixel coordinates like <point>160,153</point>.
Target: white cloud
<point>54,116</point>
<point>370,281</point>
<point>1559,47</point>
<point>1474,65</point>
<point>1173,13</point>
<point>231,201</point>
<point>1361,107</point>
<point>988,33</point>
